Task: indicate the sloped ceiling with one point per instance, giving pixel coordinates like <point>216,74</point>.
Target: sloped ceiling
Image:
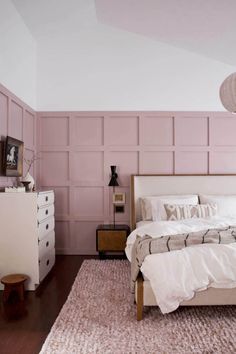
<point>205,27</point>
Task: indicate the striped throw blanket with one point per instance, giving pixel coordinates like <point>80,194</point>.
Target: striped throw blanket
<point>146,245</point>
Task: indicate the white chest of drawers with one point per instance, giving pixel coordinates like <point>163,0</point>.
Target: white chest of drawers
<point>27,236</point>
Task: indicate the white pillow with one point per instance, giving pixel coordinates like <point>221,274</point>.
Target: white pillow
<point>146,208</point>
<point>152,208</point>
<point>226,204</point>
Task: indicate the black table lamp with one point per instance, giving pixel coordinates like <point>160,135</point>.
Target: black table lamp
<point>113,183</point>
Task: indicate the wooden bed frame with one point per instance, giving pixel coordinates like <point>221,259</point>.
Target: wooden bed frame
<point>146,185</point>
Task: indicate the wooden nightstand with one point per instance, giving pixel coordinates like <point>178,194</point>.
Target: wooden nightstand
<point>110,238</point>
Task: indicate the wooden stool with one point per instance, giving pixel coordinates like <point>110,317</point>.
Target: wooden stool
<point>13,282</point>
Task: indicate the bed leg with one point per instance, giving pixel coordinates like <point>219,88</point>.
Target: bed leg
<point>139,298</point>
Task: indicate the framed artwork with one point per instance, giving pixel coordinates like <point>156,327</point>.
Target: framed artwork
<point>118,198</point>
<point>13,157</point>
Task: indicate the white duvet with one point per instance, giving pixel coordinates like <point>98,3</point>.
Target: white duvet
<point>175,276</point>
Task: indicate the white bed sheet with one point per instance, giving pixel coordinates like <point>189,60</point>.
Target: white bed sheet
<point>143,223</point>
<point>175,276</point>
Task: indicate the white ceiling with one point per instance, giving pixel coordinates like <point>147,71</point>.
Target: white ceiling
<point>207,27</point>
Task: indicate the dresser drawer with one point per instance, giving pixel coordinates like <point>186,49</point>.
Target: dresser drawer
<point>46,244</point>
<point>45,227</point>
<point>46,264</point>
<point>45,198</point>
<point>45,212</point>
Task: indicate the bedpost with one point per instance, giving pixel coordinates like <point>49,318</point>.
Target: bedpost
<point>139,297</point>
<point>132,201</point>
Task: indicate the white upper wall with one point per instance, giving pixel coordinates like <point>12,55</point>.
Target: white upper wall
<point>85,65</point>
<point>102,68</point>
<point>17,55</point>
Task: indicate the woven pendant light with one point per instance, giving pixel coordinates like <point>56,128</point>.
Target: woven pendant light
<point>228,93</point>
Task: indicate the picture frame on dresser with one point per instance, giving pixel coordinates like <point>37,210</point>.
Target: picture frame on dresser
<point>13,157</point>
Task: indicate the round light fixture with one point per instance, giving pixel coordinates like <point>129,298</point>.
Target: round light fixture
<point>228,93</point>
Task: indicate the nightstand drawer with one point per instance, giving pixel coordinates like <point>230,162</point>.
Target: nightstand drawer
<point>111,240</point>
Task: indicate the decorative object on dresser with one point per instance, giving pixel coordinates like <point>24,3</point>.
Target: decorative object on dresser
<point>111,238</point>
<point>14,189</point>
<point>13,159</point>
<point>228,93</point>
<point>26,185</point>
<point>113,183</point>
<point>28,180</point>
<point>27,237</point>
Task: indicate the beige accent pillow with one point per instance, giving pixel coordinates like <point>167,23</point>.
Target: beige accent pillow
<point>180,212</point>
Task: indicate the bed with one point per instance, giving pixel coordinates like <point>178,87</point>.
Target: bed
<point>148,185</point>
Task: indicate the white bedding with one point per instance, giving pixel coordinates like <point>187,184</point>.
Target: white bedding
<point>175,276</point>
<point>143,223</point>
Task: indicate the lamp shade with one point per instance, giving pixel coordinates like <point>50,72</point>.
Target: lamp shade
<point>113,181</point>
<point>228,93</point>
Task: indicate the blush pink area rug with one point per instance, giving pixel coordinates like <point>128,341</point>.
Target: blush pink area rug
<point>99,317</point>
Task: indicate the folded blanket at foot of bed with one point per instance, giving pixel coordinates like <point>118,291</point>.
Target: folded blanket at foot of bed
<point>147,245</point>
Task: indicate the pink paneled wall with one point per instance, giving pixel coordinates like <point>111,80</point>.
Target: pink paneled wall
<point>19,121</point>
<point>77,149</point>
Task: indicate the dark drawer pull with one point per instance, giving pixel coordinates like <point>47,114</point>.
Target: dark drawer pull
<point>48,262</point>
<point>46,212</point>
<point>47,244</point>
<point>46,199</point>
<point>47,226</point>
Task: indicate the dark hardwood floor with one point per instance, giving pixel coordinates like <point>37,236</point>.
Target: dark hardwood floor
<point>25,326</point>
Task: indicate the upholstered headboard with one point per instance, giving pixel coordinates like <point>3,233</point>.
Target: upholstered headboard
<point>146,185</point>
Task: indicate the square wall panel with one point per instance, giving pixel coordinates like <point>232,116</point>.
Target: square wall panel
<point>223,162</point>
<point>88,166</point>
<point>61,200</point>
<point>3,114</point>
<point>127,164</point>
<point>88,131</point>
<point>84,237</point>
<point>223,131</point>
<point>54,168</point>
<point>29,130</point>
<point>54,131</point>
<point>157,162</point>
<point>191,131</point>
<point>16,121</point>
<point>191,162</point>
<point>157,131</point>
<point>122,131</point>
<point>62,235</point>
<point>89,201</point>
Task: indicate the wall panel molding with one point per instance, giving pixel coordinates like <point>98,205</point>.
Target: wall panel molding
<point>137,142</point>
<point>18,120</point>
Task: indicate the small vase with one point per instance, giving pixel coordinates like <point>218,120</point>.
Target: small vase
<point>30,179</point>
